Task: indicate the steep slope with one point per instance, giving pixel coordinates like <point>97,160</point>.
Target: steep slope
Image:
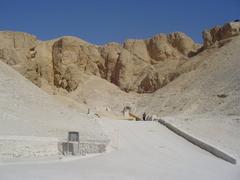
<point>102,97</point>
<point>26,110</point>
<point>204,102</point>
<point>212,87</point>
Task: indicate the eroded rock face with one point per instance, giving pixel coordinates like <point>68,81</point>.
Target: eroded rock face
<point>137,48</point>
<point>142,66</point>
<point>160,49</point>
<point>136,65</point>
<point>16,40</point>
<point>72,57</point>
<point>183,43</point>
<point>43,57</point>
<point>110,53</point>
<point>218,33</point>
<point>9,56</point>
<point>146,65</point>
<point>17,50</point>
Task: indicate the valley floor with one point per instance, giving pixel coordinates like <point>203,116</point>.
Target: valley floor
<point>139,150</point>
<point>221,131</point>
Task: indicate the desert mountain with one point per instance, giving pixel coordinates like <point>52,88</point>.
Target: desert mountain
<point>111,76</point>
<point>212,85</point>
<point>136,65</point>
<point>205,101</point>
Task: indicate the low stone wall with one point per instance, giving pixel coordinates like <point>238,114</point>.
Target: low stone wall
<point>213,150</point>
<point>31,147</point>
<point>27,146</point>
<point>91,148</point>
<point>83,148</point>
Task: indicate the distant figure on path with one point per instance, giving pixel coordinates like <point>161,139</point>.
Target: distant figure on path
<point>144,116</point>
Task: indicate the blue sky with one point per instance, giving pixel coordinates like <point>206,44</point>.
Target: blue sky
<point>101,21</point>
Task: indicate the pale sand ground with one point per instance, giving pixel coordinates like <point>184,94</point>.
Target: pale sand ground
<point>144,150</point>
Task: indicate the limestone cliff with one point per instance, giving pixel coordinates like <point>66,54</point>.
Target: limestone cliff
<point>217,34</point>
<point>141,66</point>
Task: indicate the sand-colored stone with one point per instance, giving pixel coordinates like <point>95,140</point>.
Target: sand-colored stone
<point>141,66</point>
<point>137,65</point>
<point>219,33</point>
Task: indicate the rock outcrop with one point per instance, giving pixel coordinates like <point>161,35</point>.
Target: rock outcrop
<point>141,66</point>
<point>146,65</point>
<point>137,65</point>
<point>72,57</point>
<point>17,40</point>
<point>219,33</point>
<point>17,50</point>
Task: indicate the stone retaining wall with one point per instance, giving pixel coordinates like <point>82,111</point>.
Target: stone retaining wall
<point>82,148</point>
<point>30,147</point>
<point>27,146</point>
<point>213,150</point>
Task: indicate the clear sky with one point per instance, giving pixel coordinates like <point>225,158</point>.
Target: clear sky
<point>101,21</point>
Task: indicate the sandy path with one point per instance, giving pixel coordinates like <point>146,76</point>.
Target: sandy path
<point>146,150</point>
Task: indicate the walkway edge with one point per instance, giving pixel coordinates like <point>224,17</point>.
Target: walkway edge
<point>213,150</point>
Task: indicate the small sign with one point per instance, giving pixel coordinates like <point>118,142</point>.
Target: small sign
<point>73,136</point>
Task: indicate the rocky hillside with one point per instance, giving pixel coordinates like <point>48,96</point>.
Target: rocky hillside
<point>75,68</point>
<point>26,110</point>
<point>218,34</point>
<point>136,65</point>
<point>212,87</point>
